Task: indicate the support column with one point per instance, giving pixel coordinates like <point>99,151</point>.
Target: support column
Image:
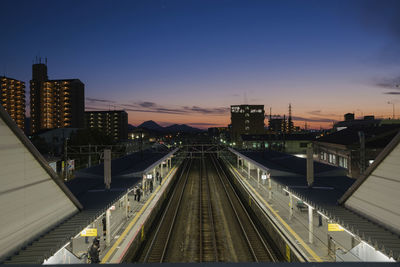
<point>258,177</point>
<point>154,172</point>
<point>144,182</point>
<point>126,205</point>
<point>248,170</point>
<point>161,170</point>
<point>269,186</point>
<point>310,225</point>
<point>290,206</point>
<point>108,228</point>
<point>238,162</point>
<point>107,168</point>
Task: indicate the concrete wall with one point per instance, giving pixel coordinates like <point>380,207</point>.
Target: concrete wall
<point>30,200</point>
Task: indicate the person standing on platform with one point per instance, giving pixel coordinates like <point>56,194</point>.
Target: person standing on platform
<point>160,179</point>
<point>139,192</point>
<point>135,189</point>
<point>94,251</point>
<point>151,186</point>
<point>104,222</point>
<point>319,220</point>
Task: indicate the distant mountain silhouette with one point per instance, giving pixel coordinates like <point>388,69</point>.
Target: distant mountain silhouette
<point>151,125</point>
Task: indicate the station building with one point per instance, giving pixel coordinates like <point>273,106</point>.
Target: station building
<point>288,143</point>
<point>344,148</point>
<point>246,120</point>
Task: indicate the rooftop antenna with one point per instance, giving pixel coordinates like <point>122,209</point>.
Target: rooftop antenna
<point>270,113</point>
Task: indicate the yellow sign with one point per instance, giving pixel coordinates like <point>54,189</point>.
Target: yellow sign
<point>89,232</point>
<point>334,227</point>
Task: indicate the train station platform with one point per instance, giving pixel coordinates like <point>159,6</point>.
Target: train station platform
<point>310,218</point>
<point>68,241</point>
<point>133,229</point>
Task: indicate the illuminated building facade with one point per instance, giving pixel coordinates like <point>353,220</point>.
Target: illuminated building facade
<point>13,99</point>
<point>246,120</point>
<point>55,103</point>
<point>114,123</point>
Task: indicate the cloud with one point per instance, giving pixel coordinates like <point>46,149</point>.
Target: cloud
<point>392,93</point>
<point>388,83</point>
<point>196,109</point>
<point>147,104</point>
<point>319,113</point>
<point>313,119</point>
<point>314,112</point>
<point>151,107</point>
<point>93,100</point>
<point>180,110</point>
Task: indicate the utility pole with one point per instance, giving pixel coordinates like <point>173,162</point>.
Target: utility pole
<point>390,102</point>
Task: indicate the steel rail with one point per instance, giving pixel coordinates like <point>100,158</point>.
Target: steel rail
<point>221,174</point>
<point>175,214</point>
<point>201,211</point>
<point>211,216</point>
<point>185,170</point>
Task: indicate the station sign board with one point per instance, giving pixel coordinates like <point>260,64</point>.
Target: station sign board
<point>89,232</point>
<point>334,227</point>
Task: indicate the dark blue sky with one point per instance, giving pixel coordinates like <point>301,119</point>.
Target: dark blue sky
<point>187,61</point>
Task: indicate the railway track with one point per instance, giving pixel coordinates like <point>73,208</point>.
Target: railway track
<point>260,250</point>
<point>159,243</point>
<point>203,223</point>
<point>207,237</point>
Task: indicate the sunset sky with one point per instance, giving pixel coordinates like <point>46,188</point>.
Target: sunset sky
<point>188,61</point>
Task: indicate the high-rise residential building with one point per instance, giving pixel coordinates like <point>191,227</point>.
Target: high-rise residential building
<point>13,99</point>
<point>113,123</point>
<point>55,103</point>
<point>246,119</point>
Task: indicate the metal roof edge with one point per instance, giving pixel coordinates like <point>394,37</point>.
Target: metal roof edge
<point>160,160</point>
<point>36,154</point>
<point>248,159</point>
<point>385,152</point>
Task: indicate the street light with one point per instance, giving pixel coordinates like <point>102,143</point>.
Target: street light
<point>392,103</point>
